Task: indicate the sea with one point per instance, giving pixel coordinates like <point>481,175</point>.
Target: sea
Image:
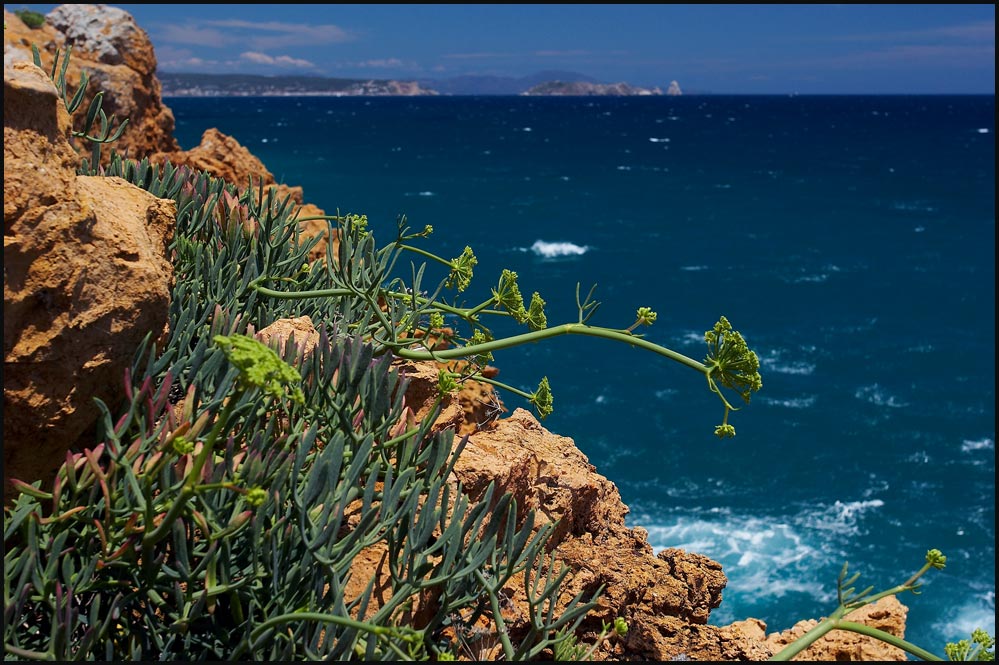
<point>850,239</point>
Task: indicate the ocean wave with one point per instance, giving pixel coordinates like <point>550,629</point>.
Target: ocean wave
<point>968,446</point>
<point>841,517</point>
<point>653,139</point>
<point>756,553</point>
<point>874,394</point>
<point>693,268</point>
<point>554,250</point>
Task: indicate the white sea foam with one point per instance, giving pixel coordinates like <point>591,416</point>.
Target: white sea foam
<point>692,337</point>
<point>876,395</point>
<point>968,446</point>
<point>653,139</point>
<point>773,361</point>
<point>693,268</point>
<point>427,194</point>
<point>756,553</point>
<point>623,168</point>
<point>978,612</point>
<point>554,250</point>
<point>841,517</point>
<point>983,130</point>
<point>791,403</point>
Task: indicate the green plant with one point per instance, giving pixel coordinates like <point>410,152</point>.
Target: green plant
<point>979,648</point>
<point>850,600</point>
<point>107,133</point>
<point>395,316</point>
<point>33,20</point>
<point>567,647</point>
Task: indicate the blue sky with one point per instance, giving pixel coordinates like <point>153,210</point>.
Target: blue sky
<point>754,49</point>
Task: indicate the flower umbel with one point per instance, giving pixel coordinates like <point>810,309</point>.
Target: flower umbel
<point>461,270</point>
<point>446,382</point>
<point>731,361</point>
<point>536,319</point>
<point>260,367</point>
<point>507,295</point>
<point>480,337</point>
<point>542,399</point>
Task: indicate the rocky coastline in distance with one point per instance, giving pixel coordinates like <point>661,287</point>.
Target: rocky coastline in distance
<point>249,85</point>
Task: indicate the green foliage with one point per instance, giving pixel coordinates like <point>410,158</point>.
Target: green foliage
<point>395,315</point>
<point>979,648</point>
<point>850,599</point>
<point>228,498</point>
<point>33,20</point>
<point>107,133</point>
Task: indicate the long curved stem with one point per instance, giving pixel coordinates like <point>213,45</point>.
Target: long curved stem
<point>556,331</point>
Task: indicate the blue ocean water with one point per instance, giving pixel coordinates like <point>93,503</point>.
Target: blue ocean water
<point>851,241</point>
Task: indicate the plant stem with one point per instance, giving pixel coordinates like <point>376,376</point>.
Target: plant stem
<point>538,335</point>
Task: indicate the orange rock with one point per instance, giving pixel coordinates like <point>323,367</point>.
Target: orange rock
<point>87,276</point>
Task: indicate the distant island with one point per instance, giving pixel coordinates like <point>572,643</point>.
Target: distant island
<point>175,84</point>
<point>250,85</point>
<point>583,88</point>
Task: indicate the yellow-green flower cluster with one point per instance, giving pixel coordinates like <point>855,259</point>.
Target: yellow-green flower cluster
<point>480,337</point>
<point>536,319</point>
<point>507,295</point>
<point>446,382</point>
<point>542,399</point>
<point>461,270</point>
<point>645,316</point>
<point>260,367</point>
<point>731,362</point>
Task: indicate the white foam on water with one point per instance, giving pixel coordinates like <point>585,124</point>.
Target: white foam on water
<point>623,168</point>
<point>841,517</point>
<point>979,612</point>
<point>693,268</point>
<point>876,395</point>
<point>553,250</point>
<point>653,139</point>
<point>790,403</point>
<point>692,337</point>
<point>756,553</point>
<point>983,130</point>
<point>773,361</point>
<point>968,446</point>
<point>776,554</point>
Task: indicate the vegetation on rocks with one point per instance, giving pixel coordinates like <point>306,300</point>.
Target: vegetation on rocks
<point>227,498</point>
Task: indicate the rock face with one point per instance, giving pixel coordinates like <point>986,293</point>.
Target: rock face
<point>86,277</point>
<point>674,89</point>
<point>117,56</point>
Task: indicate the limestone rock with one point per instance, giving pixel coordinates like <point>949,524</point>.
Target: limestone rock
<point>674,89</point>
<point>119,59</point>
<point>87,276</point>
<point>888,614</point>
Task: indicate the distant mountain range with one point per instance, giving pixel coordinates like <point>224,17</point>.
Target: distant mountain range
<point>176,84</point>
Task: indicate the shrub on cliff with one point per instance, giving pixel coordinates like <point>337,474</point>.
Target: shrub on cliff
<point>33,20</point>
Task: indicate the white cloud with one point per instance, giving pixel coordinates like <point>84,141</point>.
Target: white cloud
<point>275,34</point>
<point>275,61</point>
<point>258,35</point>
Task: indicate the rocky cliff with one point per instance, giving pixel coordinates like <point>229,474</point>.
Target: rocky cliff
<point>87,274</point>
